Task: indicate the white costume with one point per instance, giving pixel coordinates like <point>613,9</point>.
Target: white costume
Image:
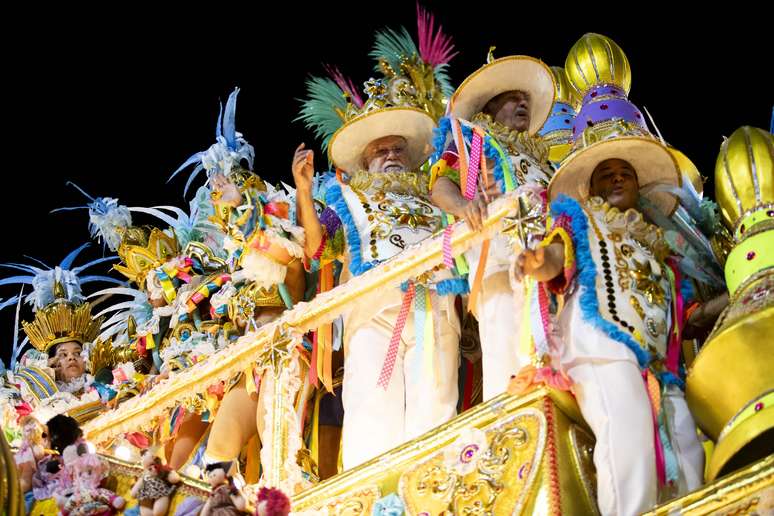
<point>514,159</point>
<point>382,218</point>
<point>499,305</point>
<point>633,298</point>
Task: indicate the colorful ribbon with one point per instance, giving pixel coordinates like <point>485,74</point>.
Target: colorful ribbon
<point>471,182</point>
<point>392,351</point>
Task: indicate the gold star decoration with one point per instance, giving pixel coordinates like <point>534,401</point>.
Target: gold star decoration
<point>528,220</point>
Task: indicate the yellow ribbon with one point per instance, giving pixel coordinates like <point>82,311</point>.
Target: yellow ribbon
<point>429,340</point>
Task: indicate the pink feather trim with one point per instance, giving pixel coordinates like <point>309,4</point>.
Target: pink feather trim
<point>435,47</point>
<point>345,83</point>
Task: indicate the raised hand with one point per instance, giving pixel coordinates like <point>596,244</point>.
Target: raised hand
<point>303,168</point>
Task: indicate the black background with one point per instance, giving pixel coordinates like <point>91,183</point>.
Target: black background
<point>115,101</point>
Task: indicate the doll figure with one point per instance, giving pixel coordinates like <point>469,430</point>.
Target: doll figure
<point>88,498</point>
<point>154,488</point>
<point>225,499</point>
<point>32,450</point>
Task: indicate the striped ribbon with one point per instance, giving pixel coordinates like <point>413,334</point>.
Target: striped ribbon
<point>392,351</point>
<point>429,337</point>
<point>526,342</point>
<point>473,166</point>
<point>462,152</point>
<point>448,259</point>
<point>420,316</point>
<point>654,395</point>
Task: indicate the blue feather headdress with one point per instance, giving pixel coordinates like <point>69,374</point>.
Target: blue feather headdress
<point>109,220</point>
<point>49,285</point>
<point>229,149</point>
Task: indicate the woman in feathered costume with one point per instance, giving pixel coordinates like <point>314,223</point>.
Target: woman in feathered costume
<point>263,249</point>
<point>53,376</point>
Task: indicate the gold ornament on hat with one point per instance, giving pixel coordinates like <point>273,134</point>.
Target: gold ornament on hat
<point>61,321</point>
<point>595,59</point>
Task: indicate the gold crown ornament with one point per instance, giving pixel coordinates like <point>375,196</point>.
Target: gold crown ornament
<point>61,321</point>
<point>143,249</point>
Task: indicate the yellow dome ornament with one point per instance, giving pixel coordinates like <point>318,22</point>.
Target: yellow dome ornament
<point>688,169</point>
<point>557,131</point>
<point>738,412</point>
<point>595,59</point>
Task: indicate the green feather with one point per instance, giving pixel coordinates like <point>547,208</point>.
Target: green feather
<point>318,110</point>
<point>391,46</point>
<point>441,74</point>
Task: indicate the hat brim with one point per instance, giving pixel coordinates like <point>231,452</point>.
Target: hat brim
<point>510,73</point>
<point>650,159</point>
<point>346,147</point>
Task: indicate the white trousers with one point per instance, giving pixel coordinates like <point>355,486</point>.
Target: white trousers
<point>614,402</point>
<point>611,393</point>
<point>499,317</point>
<point>377,420</point>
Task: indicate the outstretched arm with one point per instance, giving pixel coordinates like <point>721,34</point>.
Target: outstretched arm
<point>702,319</point>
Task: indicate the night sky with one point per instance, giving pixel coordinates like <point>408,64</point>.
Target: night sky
<point>116,105</point>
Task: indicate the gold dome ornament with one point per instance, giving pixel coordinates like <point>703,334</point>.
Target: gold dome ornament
<point>688,169</point>
<point>595,59</point>
<point>557,131</point>
<point>738,412</point>
<point>744,181</point>
<point>565,91</point>
<point>744,188</point>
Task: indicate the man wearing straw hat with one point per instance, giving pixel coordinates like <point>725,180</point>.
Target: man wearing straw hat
<point>400,348</point>
<point>486,147</point>
<point>623,307</point>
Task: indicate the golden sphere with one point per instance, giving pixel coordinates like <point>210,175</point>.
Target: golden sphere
<point>688,169</point>
<point>594,60</point>
<point>565,92</point>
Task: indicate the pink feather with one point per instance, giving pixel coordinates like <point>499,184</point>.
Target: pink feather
<point>435,47</point>
<point>345,83</point>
